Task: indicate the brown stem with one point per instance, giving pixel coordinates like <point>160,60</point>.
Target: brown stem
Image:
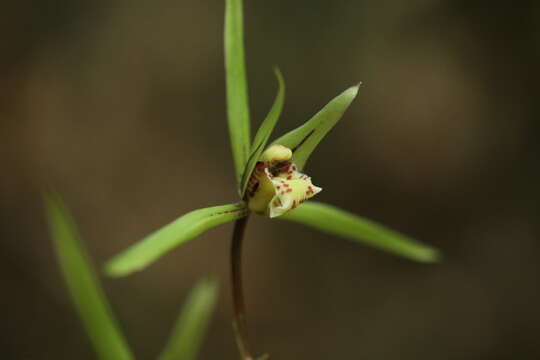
<point>237,290</point>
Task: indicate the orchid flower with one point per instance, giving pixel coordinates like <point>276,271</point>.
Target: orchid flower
<point>270,179</point>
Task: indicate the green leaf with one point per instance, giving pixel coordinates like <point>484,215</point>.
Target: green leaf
<point>338,222</point>
<point>237,89</point>
<point>188,332</point>
<point>264,132</point>
<point>303,140</point>
<point>170,236</point>
<point>83,284</point>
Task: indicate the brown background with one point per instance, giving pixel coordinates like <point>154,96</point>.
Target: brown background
<point>120,106</point>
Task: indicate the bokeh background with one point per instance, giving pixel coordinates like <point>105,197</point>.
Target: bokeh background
<point>120,105</point>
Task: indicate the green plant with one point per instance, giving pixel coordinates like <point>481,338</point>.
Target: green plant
<point>269,182</point>
<point>94,310</point>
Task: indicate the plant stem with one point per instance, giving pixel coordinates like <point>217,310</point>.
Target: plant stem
<point>237,289</point>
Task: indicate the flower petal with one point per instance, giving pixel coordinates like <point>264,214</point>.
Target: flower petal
<point>303,140</point>
<point>163,240</point>
<point>335,221</point>
<point>261,190</point>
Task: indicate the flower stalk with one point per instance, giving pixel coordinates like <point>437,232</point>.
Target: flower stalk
<point>239,321</point>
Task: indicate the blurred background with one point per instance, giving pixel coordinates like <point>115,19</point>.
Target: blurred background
<point>120,105</point>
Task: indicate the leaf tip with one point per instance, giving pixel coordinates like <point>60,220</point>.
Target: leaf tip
<point>209,285</point>
<point>115,269</point>
<point>429,255</point>
<point>50,197</point>
<point>279,76</point>
<point>352,91</point>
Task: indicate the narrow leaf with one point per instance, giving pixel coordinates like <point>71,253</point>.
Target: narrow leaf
<point>237,89</point>
<point>264,132</point>
<point>338,222</point>
<point>188,332</point>
<point>303,140</point>
<point>170,236</point>
<point>83,284</point>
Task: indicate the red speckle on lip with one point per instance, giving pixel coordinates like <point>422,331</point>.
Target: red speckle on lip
<point>289,190</point>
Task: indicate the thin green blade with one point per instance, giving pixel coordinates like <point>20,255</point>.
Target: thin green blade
<point>188,332</point>
<point>83,284</point>
<point>172,235</point>
<point>338,222</point>
<point>264,132</point>
<point>305,138</point>
<point>237,89</point>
